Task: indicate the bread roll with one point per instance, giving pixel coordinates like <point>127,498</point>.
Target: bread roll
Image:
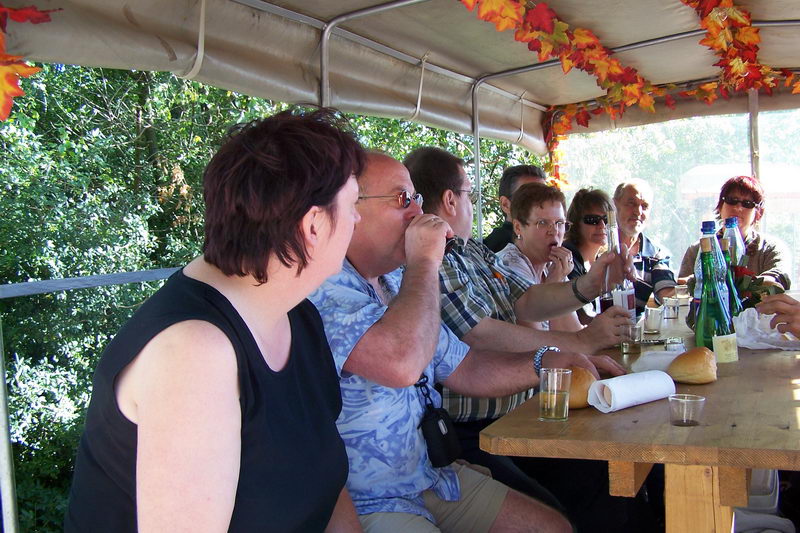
<point>582,379</point>
<point>695,366</point>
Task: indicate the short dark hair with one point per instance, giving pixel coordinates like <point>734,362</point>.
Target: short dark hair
<point>533,194</point>
<point>264,179</point>
<point>508,181</point>
<point>584,200</point>
<point>746,184</point>
<point>433,171</point>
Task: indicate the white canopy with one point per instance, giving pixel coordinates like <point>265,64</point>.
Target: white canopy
<point>272,50</point>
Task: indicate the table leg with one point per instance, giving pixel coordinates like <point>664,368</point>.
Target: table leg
<point>692,499</point>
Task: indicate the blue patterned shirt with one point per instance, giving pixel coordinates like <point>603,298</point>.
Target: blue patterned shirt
<point>389,465</point>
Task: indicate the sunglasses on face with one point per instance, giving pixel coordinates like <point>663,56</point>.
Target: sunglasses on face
<point>404,198</point>
<point>747,204</point>
<point>594,220</point>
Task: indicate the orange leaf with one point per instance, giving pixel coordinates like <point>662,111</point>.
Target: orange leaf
<point>796,88</point>
<point>566,63</point>
<point>470,4</point>
<point>9,84</point>
<point>505,14</point>
<point>647,103</point>
<point>2,42</point>
<point>545,50</point>
<point>747,35</point>
<point>584,38</point>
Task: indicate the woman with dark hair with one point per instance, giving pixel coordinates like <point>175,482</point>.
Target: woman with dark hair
<point>214,407</point>
<point>586,237</point>
<point>743,197</point>
<point>537,215</point>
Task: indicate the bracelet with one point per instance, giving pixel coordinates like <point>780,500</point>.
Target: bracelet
<point>581,298</point>
<point>538,354</point>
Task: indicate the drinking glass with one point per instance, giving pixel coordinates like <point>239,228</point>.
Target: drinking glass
<point>554,393</point>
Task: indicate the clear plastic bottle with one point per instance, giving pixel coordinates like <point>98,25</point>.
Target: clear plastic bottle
<point>622,294</point>
<point>709,228</point>
<point>735,240</point>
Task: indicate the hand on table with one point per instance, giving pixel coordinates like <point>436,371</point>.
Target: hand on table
<point>593,363</point>
<point>786,310</point>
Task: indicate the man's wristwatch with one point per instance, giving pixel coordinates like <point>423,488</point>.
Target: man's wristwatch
<point>538,354</point>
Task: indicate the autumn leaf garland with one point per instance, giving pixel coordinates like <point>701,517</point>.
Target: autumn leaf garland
<point>729,33</point>
<point>12,68</point>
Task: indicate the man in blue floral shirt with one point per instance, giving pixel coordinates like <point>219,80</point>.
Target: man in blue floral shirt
<point>385,332</point>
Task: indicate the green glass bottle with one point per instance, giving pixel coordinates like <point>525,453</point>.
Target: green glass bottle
<point>712,318</point>
<point>734,303</point>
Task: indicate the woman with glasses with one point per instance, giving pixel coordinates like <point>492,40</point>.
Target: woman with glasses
<point>214,408</point>
<point>743,197</point>
<point>537,216</point>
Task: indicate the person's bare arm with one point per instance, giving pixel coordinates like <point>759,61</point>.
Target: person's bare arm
<point>544,301</point>
<point>185,402</point>
<point>344,518</point>
<point>489,374</point>
<point>395,350</point>
<point>492,334</point>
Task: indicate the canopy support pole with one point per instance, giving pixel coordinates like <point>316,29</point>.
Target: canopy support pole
<point>755,157</point>
<point>8,490</point>
<point>324,48</point>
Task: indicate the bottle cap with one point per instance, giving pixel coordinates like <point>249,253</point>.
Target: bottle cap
<point>732,222</point>
<point>708,226</point>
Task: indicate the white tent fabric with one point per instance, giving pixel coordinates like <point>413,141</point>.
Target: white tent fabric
<point>272,50</point>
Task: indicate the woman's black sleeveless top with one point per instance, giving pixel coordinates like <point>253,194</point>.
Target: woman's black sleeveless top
<point>293,462</point>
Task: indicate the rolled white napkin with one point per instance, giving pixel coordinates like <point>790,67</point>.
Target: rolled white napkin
<point>613,394</point>
<point>753,331</point>
<point>654,360</point>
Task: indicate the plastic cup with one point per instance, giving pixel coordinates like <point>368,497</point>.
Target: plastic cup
<point>652,320</point>
<point>682,294</point>
<point>631,338</point>
<point>554,393</point>
<point>686,409</point>
<point>670,308</point>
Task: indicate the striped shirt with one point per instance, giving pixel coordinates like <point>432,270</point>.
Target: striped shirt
<point>474,285</point>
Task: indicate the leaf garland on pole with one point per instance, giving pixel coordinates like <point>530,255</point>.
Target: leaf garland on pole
<point>12,68</point>
<point>730,34</point>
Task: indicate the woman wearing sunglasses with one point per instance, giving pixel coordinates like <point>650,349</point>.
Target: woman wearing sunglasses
<point>586,237</point>
<point>743,197</point>
<point>214,408</point>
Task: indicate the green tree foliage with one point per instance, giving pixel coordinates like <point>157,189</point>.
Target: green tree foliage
<point>103,173</point>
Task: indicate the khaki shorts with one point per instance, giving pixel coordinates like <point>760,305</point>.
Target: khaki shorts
<point>481,499</point>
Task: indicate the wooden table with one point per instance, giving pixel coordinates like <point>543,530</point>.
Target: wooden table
<point>751,420</point>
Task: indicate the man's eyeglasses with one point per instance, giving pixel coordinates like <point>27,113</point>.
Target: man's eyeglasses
<point>473,195</point>
<point>558,225</point>
<point>747,204</point>
<point>404,198</point>
<point>594,220</point>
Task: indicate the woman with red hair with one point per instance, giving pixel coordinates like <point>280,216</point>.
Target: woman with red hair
<point>743,197</point>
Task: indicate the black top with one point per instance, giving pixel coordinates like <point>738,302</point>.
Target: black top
<point>578,263</point>
<point>293,462</point>
<point>500,237</point>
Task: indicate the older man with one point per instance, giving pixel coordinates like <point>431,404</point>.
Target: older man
<point>482,302</point>
<point>390,348</point>
<point>512,179</point>
<point>633,200</point>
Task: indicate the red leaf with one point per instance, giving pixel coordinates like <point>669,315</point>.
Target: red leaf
<point>24,14</point>
<point>669,101</point>
<point>705,7</point>
<point>582,118</point>
<point>541,17</point>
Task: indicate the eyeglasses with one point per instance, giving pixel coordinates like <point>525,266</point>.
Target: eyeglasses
<point>473,195</point>
<point>403,198</point>
<point>558,225</point>
<point>747,204</point>
<point>594,220</point>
